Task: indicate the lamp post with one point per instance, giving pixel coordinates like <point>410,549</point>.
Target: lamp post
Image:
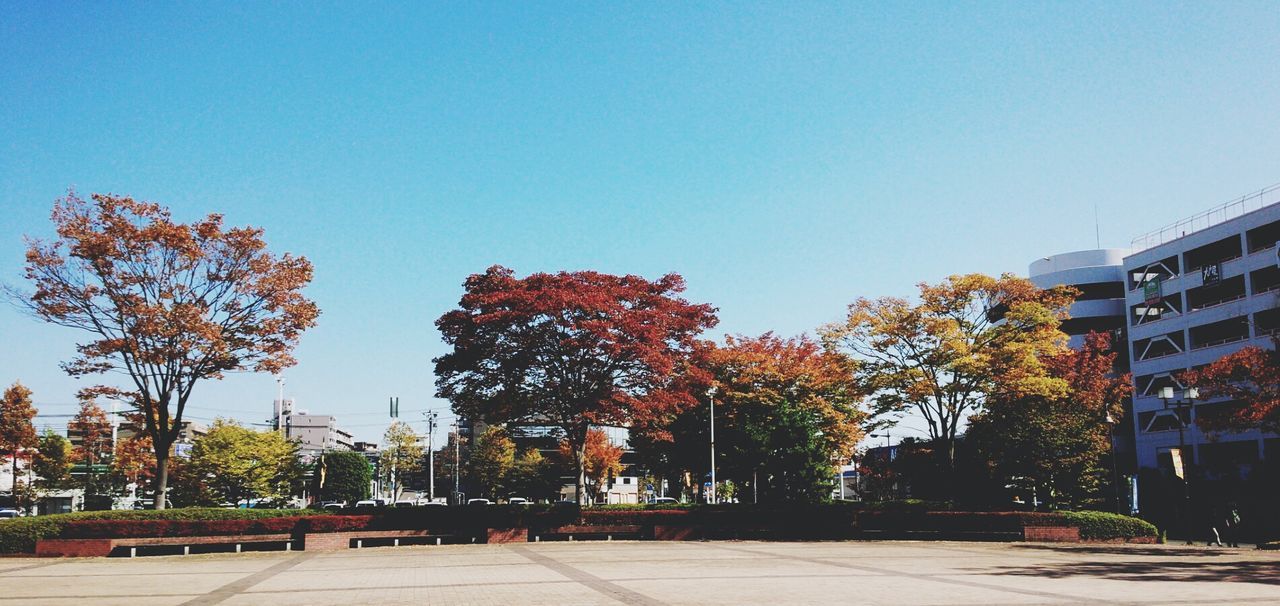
<point>711,496</point>
<point>1190,395</point>
<point>1115,469</point>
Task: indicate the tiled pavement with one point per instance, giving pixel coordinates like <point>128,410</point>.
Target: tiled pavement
<point>644,573</point>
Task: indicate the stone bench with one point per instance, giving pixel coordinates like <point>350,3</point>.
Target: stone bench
<point>572,531</point>
<point>337,541</point>
<point>104,547</point>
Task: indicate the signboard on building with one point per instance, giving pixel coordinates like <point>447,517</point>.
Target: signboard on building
<point>1211,274</point>
<point>1176,455</point>
<point>1151,292</point>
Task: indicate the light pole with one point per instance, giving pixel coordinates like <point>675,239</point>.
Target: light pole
<point>1115,469</point>
<point>1190,395</point>
<point>711,394</point>
<point>431,455</point>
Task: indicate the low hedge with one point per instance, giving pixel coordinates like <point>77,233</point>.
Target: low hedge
<point>19,535</point>
<point>131,529</point>
<point>1103,526</point>
<point>831,521</point>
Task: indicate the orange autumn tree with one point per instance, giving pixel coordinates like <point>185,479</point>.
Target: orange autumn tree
<point>968,338</point>
<point>1055,446</point>
<point>93,445</point>
<point>787,411</point>
<point>602,460</point>
<point>17,433</point>
<point>1251,376</point>
<point>166,304</point>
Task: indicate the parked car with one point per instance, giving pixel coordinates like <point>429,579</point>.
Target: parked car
<point>664,501</point>
<point>479,502</point>
<point>369,503</point>
<point>9,513</point>
<point>333,506</point>
<point>406,503</point>
<point>517,501</point>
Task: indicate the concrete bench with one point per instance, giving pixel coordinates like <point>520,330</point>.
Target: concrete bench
<point>570,532</point>
<point>337,541</point>
<point>104,547</point>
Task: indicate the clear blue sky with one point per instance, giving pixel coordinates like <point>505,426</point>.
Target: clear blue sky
<point>785,159</point>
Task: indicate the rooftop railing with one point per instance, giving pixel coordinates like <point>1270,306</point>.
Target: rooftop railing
<point>1218,214</point>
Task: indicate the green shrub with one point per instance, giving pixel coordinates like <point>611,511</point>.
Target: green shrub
<point>19,535</point>
<point>1101,526</point>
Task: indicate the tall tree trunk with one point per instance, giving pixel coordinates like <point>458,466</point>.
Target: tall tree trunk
<point>580,464</point>
<point>162,478</point>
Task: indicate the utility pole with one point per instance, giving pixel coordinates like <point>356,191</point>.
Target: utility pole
<point>457,459</point>
<point>279,402</point>
<point>431,454</point>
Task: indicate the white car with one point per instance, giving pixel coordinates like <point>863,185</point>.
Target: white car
<point>406,503</point>
<point>479,502</point>
<point>368,503</point>
<point>517,501</point>
<point>664,501</point>
<point>7,514</point>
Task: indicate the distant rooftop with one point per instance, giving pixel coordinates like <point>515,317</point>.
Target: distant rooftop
<point>1218,214</point>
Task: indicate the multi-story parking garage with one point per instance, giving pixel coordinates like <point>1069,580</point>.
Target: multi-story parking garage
<point>1196,291</point>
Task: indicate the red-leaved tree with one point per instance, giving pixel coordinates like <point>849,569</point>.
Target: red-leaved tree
<point>571,350</point>
<point>1250,375</point>
<point>92,431</point>
<point>166,304</point>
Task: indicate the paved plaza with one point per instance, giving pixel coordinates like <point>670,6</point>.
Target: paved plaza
<point>663,573</point>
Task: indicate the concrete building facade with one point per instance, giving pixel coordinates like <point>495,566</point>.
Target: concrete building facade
<point>1196,291</point>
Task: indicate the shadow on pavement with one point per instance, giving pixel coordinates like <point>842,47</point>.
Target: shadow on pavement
<point>1247,571</point>
<point>1132,550</point>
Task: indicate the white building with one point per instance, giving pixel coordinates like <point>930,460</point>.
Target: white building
<point>1198,290</point>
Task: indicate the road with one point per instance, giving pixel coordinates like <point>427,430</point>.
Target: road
<point>645,573</point>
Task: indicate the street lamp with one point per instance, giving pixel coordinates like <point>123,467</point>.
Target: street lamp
<point>711,395</point>
<point>1115,469</point>
<point>1190,395</point>
<point>884,435</point>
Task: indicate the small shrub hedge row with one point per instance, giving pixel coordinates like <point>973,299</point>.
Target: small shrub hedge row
<point>19,535</point>
<point>130,529</point>
<point>1103,526</point>
<point>838,520</point>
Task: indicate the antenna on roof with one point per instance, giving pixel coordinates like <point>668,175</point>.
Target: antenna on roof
<point>1097,231</point>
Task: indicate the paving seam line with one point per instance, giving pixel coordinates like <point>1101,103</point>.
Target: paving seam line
<point>30,566</point>
<point>612,590</point>
<point>226,592</point>
<point>922,577</point>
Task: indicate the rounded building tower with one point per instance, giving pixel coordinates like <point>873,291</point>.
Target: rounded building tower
<point>1099,276</point>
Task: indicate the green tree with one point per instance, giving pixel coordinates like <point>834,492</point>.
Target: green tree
<point>237,463</point>
<point>17,433</point>
<point>1056,446</point>
<point>970,338</point>
<point>491,461</point>
<point>534,476</point>
<point>52,462</point>
<point>343,476</point>
<point>402,454</point>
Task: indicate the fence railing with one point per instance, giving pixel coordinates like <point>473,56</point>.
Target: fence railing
<point>1218,214</point>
